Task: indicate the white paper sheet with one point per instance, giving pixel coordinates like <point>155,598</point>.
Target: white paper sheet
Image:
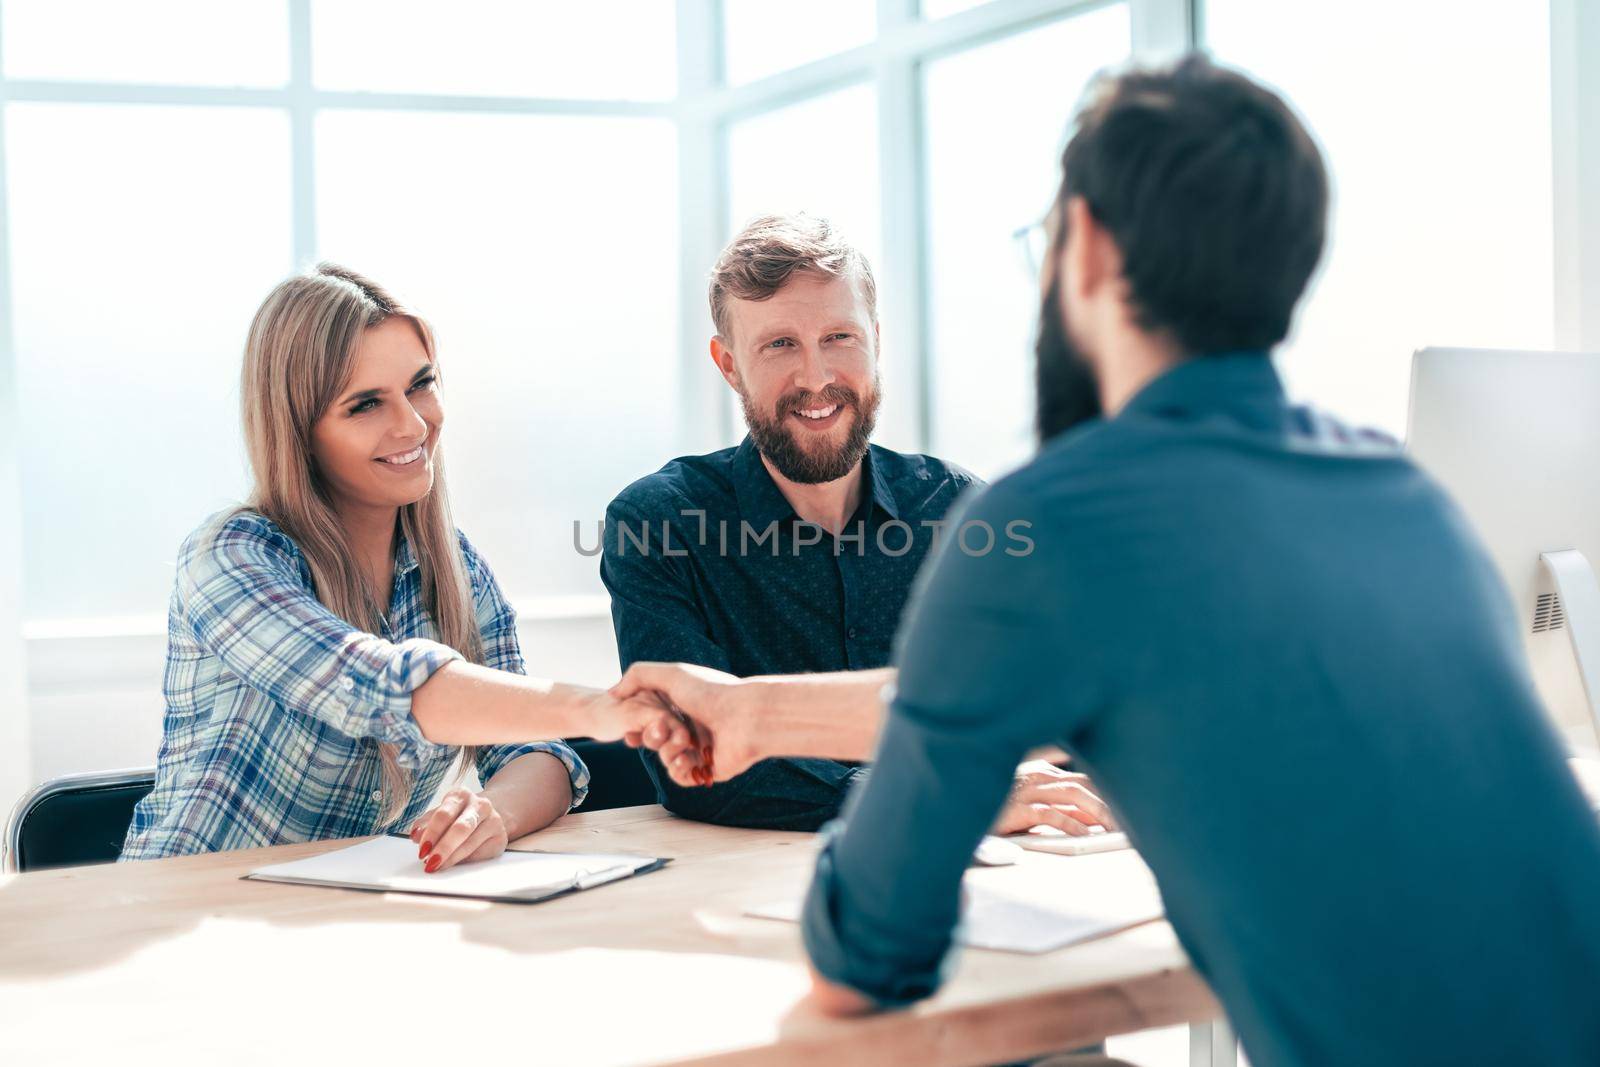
<point>1041,904</point>
<point>390,863</point>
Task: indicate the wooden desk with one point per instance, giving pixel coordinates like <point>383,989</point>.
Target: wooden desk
<point>180,961</point>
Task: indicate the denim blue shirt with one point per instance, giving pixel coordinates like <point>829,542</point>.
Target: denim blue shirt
<point>275,705</point>
<point>707,563</point>
<point>1285,658</point>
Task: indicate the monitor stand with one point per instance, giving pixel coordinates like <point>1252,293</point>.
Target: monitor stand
<point>1580,603</point>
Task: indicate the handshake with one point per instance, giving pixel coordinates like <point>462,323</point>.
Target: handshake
<point>708,726</point>
<point>721,713</point>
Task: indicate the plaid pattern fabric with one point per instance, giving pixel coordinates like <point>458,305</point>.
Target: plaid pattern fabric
<point>275,705</point>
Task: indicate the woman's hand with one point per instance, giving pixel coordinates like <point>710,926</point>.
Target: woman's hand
<point>464,827</point>
<point>1043,795</point>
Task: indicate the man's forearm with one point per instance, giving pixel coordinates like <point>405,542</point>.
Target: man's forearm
<point>836,716</point>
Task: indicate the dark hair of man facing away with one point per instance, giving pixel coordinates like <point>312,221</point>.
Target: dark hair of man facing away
<point>1218,199</point>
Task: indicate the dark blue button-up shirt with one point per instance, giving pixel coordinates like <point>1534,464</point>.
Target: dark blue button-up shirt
<point>707,563</point>
<point>1284,657</point>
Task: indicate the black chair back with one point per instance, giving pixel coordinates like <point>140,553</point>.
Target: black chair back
<point>81,819</point>
<point>75,820</point>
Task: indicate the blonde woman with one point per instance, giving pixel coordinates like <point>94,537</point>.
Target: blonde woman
<point>333,643</point>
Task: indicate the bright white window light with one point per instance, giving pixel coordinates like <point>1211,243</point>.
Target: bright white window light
<point>821,156</point>
<point>987,178</point>
<point>544,249</point>
<point>764,37</point>
<point>616,50</point>
<point>1434,116</point>
<point>142,241</point>
<point>164,42</point>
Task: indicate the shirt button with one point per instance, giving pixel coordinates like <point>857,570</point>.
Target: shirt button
<point>377,794</point>
<point>348,684</point>
<point>851,633</point>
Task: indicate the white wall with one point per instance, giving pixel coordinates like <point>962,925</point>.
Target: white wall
<point>14,724</point>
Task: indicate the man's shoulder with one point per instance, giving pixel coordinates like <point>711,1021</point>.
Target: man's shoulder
<point>920,482</point>
<point>1084,466</point>
<point>684,483</point>
<point>1109,459</point>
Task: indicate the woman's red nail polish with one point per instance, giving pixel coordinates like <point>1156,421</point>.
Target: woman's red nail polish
<point>427,847</point>
<point>432,864</point>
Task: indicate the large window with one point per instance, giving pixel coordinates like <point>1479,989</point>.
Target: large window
<point>821,156</point>
<point>615,50</point>
<point>142,239</point>
<point>1435,119</point>
<point>761,38</point>
<point>550,285</point>
<point>818,156</point>
<point>537,229</point>
<point>549,183</point>
<point>997,119</point>
<point>246,42</point>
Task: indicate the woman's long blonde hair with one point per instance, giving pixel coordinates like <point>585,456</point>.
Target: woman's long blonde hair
<point>299,357</point>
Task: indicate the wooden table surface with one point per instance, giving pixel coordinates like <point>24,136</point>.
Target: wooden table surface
<point>179,961</point>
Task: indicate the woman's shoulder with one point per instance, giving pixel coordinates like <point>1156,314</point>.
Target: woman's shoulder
<point>478,568</point>
<point>233,533</point>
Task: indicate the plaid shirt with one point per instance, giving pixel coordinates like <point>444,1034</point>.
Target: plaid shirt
<point>275,705</point>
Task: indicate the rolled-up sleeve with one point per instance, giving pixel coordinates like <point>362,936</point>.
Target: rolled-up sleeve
<point>977,687</point>
<point>247,602</point>
<point>502,650</point>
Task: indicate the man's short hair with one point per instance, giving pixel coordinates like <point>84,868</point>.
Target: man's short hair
<point>764,255</point>
<point>1214,193</point>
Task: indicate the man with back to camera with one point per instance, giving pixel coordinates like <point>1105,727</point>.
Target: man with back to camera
<point>1230,597</point>
<point>794,551</point>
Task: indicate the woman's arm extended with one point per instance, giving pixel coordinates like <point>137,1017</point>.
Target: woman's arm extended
<point>247,604</point>
<point>463,703</point>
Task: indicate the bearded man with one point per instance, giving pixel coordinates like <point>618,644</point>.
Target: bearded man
<point>794,552</point>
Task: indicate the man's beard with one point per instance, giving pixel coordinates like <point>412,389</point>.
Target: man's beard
<point>1066,392</point>
<point>810,466</point>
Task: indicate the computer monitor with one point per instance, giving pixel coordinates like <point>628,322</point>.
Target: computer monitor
<point>1514,437</point>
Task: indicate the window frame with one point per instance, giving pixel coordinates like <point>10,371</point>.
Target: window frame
<point>703,111</point>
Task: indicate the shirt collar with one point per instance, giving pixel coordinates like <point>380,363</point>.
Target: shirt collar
<point>882,493</point>
<point>762,502</point>
<point>1242,384</point>
<point>404,559</point>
